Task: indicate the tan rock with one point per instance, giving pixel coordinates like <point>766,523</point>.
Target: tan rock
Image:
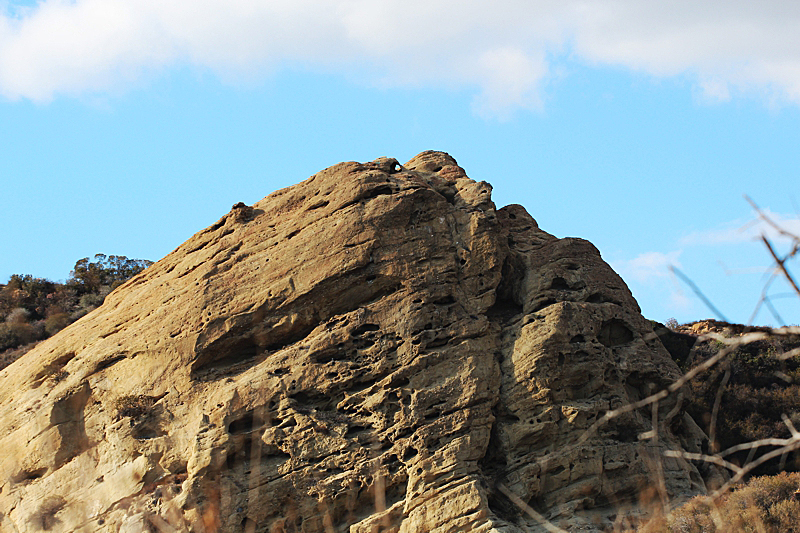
<point>374,349</point>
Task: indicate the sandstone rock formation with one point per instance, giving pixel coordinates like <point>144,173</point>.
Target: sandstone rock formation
<point>377,348</point>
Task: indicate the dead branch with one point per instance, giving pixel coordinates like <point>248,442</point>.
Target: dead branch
<point>698,292</point>
<point>781,266</point>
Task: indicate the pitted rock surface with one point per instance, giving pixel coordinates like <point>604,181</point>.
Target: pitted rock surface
<point>377,348</point>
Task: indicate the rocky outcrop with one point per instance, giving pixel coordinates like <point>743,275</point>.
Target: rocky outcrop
<point>377,348</point>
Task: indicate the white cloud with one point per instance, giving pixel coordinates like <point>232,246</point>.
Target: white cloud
<point>649,266</point>
<point>679,301</point>
<point>739,231</point>
<point>655,286</point>
<point>75,46</point>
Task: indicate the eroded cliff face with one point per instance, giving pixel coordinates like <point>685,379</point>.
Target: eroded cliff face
<point>375,349</point>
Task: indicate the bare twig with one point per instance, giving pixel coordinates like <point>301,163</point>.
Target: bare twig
<point>754,445</point>
<point>698,292</point>
<point>516,500</point>
<point>775,314</point>
<point>781,266</point>
<point>790,425</point>
<point>792,446</point>
<point>714,459</point>
<point>769,221</point>
<point>712,430</point>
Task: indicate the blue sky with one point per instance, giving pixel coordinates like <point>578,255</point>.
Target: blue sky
<point>125,127</point>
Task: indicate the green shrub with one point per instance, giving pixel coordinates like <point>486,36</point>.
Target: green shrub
<point>56,322</point>
<point>17,333</point>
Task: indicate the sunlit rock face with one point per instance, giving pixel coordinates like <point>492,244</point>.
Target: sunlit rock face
<point>377,348</point>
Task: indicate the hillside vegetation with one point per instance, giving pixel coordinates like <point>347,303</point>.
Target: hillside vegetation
<point>745,397</point>
<point>32,309</point>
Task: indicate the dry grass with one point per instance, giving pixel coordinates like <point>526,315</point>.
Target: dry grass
<point>766,504</point>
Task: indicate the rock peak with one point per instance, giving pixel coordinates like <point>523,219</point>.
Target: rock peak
<point>375,347</point>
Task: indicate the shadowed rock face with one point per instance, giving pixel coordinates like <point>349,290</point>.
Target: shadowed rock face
<point>376,347</point>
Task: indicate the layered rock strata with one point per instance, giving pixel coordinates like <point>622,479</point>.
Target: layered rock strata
<point>377,348</point>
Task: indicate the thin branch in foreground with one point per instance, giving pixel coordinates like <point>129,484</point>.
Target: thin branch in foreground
<point>780,264</point>
<point>775,314</point>
<point>714,459</point>
<point>698,292</point>
<point>754,444</point>
<point>516,500</point>
<point>712,430</point>
<point>790,425</point>
<point>789,445</point>
<point>769,221</point>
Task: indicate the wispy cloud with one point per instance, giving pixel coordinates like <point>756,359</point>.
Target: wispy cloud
<point>745,231</point>
<point>75,46</point>
<point>649,266</point>
<point>652,281</point>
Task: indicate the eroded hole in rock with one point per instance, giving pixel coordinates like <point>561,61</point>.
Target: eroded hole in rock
<point>319,205</point>
<point>614,332</point>
<point>410,453</point>
<point>54,370</point>
<point>437,342</point>
<point>508,300</point>
<point>363,344</point>
<point>355,431</point>
<point>560,284</point>
<point>364,328</point>
<point>626,433</point>
<point>502,507</point>
<point>328,354</point>
<point>396,493</point>
<point>108,362</point>
<point>535,502</point>
<point>147,429</point>
<point>308,400</point>
<point>599,298</point>
<point>245,424</point>
<point>227,357</point>
<point>494,463</point>
<point>241,454</point>
<point>449,195</point>
<point>577,339</point>
<point>547,302</point>
<point>445,300</point>
<point>377,191</point>
<point>388,289</point>
<point>29,475</point>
